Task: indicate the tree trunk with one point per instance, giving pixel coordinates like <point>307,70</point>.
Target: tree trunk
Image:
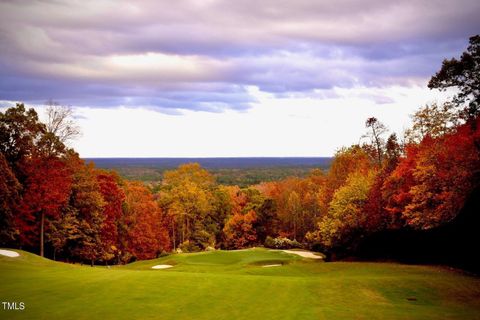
<point>173,235</point>
<point>42,226</point>
<point>294,228</point>
<point>183,230</point>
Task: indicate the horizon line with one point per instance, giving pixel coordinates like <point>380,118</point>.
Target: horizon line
<point>207,157</point>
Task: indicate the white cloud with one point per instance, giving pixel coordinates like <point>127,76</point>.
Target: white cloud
<point>228,78</point>
<point>158,53</point>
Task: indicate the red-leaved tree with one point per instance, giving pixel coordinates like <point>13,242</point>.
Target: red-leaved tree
<point>113,197</point>
<point>46,191</point>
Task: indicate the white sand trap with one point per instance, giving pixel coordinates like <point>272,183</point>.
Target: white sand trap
<point>271,265</point>
<point>162,266</point>
<point>9,253</point>
<point>305,254</point>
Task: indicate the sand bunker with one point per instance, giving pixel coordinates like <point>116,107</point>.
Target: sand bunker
<point>305,254</point>
<point>162,266</point>
<point>271,265</point>
<point>9,253</point>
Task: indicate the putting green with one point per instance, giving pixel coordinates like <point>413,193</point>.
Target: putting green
<point>234,285</point>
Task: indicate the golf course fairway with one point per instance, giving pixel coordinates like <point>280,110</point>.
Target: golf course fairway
<point>235,285</point>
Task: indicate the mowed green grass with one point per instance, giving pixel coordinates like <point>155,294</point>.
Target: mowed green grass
<point>234,285</point>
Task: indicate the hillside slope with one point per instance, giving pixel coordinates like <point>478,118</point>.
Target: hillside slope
<point>235,285</point>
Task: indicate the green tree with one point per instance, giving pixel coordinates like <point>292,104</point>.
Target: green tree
<point>464,75</point>
<point>9,200</point>
<point>393,151</point>
<point>20,131</point>
<point>214,221</point>
<point>22,135</point>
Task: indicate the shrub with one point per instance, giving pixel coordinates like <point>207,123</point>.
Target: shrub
<point>188,246</point>
<point>163,254</point>
<point>269,242</point>
<point>202,239</point>
<point>281,243</point>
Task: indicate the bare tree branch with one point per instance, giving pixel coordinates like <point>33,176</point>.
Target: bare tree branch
<point>60,122</point>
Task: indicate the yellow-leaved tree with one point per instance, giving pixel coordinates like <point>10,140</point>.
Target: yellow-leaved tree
<point>345,217</point>
<point>187,195</point>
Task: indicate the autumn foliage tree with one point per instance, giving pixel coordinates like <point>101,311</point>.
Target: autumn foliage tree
<point>433,120</point>
<point>34,158</point>
<point>345,162</point>
<point>296,202</point>
<point>113,197</point>
<point>144,235</point>
<point>187,196</point>
<point>346,219</point>
<point>46,192</point>
<point>444,171</point>
<point>239,230</point>
<point>86,208</point>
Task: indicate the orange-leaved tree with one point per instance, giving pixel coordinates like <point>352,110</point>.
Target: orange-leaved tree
<point>144,233</point>
<point>239,230</point>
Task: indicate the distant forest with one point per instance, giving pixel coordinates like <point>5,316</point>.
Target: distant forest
<point>242,172</point>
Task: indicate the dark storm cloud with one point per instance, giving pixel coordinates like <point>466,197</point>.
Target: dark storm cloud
<point>204,55</point>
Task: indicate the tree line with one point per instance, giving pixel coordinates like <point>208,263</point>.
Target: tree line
<point>54,203</point>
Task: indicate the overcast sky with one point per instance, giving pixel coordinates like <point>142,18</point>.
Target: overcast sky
<point>228,78</point>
